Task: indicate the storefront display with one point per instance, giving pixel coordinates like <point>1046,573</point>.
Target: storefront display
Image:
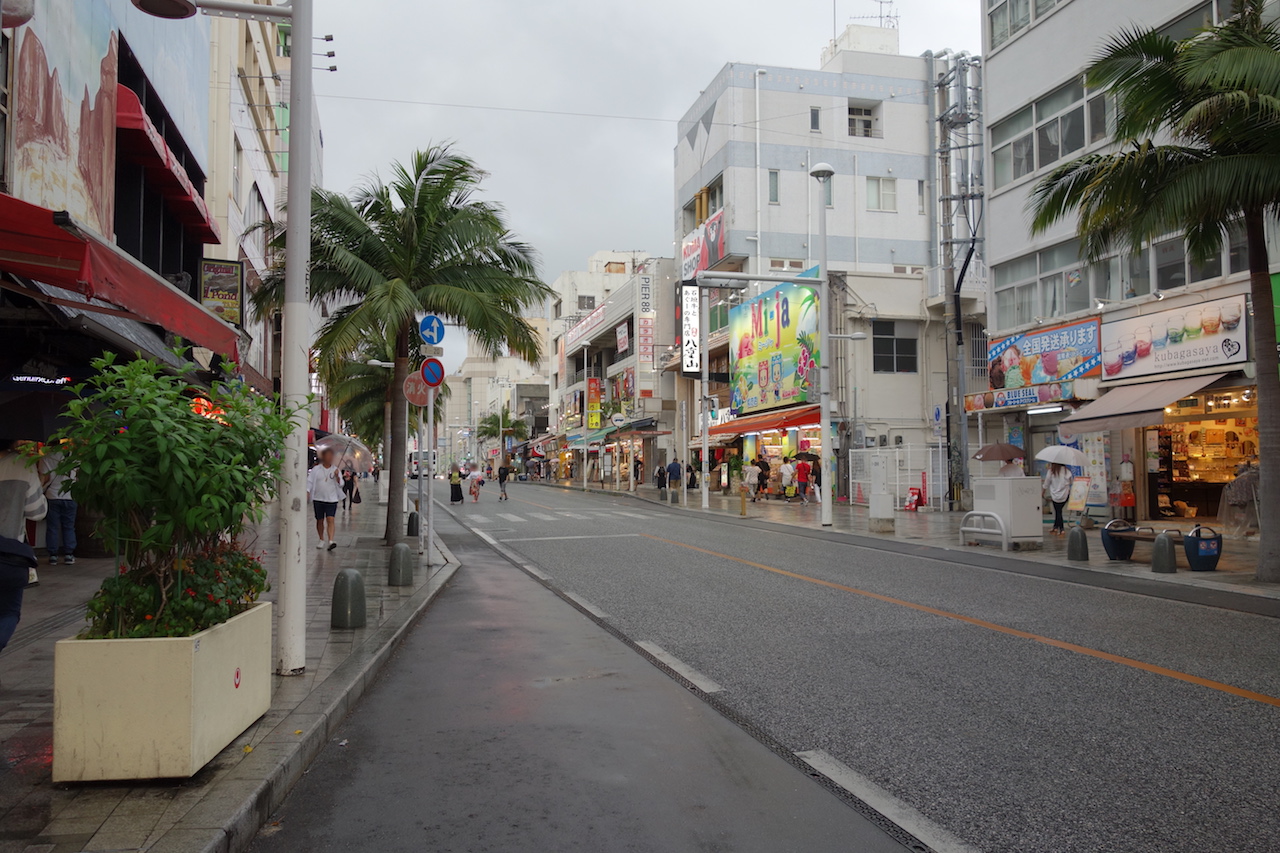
<point>1208,335</point>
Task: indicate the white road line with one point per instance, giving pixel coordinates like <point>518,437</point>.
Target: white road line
<point>479,519</point>
<point>560,538</point>
<point>537,516</point>
<point>587,606</point>
<point>937,837</point>
<point>700,681</point>
<point>509,517</point>
<point>575,515</point>
<point>511,555</point>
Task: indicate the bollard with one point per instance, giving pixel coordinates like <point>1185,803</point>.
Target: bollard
<point>1078,545</point>
<point>675,496</point>
<point>414,522</point>
<point>1164,559</point>
<point>400,571</point>
<point>743,492</point>
<point>662,495</point>
<point>348,600</point>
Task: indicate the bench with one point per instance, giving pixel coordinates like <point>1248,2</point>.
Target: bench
<point>978,525</point>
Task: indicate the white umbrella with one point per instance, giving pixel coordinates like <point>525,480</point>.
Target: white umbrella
<point>346,449</point>
<point>1063,455</point>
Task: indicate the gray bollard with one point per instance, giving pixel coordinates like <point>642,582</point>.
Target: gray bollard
<point>400,571</point>
<point>662,495</point>
<point>1164,557</point>
<point>1078,545</point>
<point>414,521</point>
<point>348,600</point>
<point>675,495</point>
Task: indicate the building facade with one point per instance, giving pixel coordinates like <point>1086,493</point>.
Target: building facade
<point>1142,358</point>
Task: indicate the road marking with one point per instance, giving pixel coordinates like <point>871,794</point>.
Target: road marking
<point>479,519</point>
<point>538,516</point>
<point>511,555</point>
<point>532,503</point>
<point>560,538</point>
<point>576,515</point>
<point>509,517</point>
<point>700,681</point>
<point>587,606</point>
<point>938,838</point>
<point>1155,669</point>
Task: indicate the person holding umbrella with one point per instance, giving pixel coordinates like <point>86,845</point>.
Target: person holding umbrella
<point>1058,479</point>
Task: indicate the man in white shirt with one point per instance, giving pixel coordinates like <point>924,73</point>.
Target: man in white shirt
<point>324,490</point>
<point>60,523</point>
<point>787,475</point>
<point>21,500</point>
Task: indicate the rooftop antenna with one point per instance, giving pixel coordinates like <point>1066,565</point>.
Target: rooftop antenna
<point>887,17</point>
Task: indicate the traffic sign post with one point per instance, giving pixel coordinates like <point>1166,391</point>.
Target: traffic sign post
<point>431,329</point>
<point>423,395</point>
<point>433,372</point>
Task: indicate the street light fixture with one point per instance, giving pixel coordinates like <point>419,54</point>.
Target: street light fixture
<point>823,172</point>
<point>296,331</point>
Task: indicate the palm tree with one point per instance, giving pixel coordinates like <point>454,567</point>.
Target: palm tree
<point>1198,136</point>
<point>423,243</point>
<point>501,427</point>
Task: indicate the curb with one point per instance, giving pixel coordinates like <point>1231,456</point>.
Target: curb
<point>258,784</point>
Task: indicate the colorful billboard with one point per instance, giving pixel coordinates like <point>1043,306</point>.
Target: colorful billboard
<point>702,248</point>
<point>594,394</point>
<point>1045,356</point>
<point>1031,395</point>
<point>222,289</point>
<point>1204,335</point>
<point>774,343</point>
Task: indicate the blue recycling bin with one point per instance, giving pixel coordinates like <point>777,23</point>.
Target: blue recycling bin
<point>1204,548</point>
<point>1117,549</point>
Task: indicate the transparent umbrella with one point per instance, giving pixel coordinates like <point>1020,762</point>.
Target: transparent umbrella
<point>347,451</point>
<point>1063,455</point>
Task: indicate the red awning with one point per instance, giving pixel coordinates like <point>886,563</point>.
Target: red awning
<point>49,247</point>
<point>802,416</point>
<point>141,142</point>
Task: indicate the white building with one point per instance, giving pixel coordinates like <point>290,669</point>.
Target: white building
<point>743,156</point>
<point>1112,323</point>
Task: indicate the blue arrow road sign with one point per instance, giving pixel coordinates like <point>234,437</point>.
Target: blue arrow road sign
<point>433,372</point>
<point>432,329</point>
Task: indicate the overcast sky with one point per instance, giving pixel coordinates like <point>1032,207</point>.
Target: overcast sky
<point>571,185</point>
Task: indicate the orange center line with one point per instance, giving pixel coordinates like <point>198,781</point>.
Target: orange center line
<point>992,626</point>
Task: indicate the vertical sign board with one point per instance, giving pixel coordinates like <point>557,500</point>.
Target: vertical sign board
<point>222,289</point>
<point>624,340</point>
<point>593,403</point>
<point>646,324</point>
<point>690,323</point>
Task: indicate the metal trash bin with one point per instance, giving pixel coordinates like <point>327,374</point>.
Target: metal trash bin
<point>1117,549</point>
<point>1203,549</point>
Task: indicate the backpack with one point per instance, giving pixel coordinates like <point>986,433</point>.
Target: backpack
<point>14,552</point>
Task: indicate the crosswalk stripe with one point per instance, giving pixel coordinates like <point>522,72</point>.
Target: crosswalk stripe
<point>537,516</point>
<point>509,517</point>
<point>479,519</point>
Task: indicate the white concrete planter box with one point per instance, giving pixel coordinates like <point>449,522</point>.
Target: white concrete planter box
<point>158,708</point>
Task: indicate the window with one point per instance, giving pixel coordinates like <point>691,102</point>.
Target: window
<point>1007,18</point>
<point>586,303</point>
<point>1237,248</point>
<point>920,209</point>
<point>773,186</point>
<point>5,84</point>
<point>1190,24</point>
<point>1043,6</point>
<point>786,265</point>
<point>715,196</point>
<point>1013,145</point>
<point>557,310</point>
<point>815,118</point>
<point>1101,118</point>
<point>882,194</point>
<point>1063,133</point>
<point>862,121</point>
<point>893,346</point>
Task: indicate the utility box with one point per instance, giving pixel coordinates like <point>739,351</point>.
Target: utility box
<point>882,500</point>
<point>1017,502</point>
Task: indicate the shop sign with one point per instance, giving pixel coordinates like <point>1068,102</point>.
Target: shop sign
<point>593,403</point>
<point>774,343</point>
<point>1045,356</point>
<point>703,247</point>
<point>585,327</point>
<point>690,344</point>
<point>624,341</point>
<point>1206,335</point>
<point>1033,395</point>
<point>222,289</point>
<point>646,321</point>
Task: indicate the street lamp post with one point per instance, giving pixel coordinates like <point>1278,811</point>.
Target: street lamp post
<point>823,172</point>
<point>296,331</point>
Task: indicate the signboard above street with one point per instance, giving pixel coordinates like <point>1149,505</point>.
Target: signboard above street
<point>1207,335</point>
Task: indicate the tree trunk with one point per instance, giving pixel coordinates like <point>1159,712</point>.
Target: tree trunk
<point>398,458</point>
<point>1268,370</point>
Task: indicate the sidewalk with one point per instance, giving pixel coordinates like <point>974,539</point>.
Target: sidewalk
<point>941,530</point>
<point>221,807</point>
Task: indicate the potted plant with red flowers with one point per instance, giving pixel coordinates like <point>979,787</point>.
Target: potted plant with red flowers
<point>176,659</point>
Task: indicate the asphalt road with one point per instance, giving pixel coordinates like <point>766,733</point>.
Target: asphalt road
<point>1019,713</point>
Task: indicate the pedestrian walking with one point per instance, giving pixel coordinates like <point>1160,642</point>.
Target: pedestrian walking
<point>324,490</point>
<point>787,478</point>
<point>816,476</point>
<point>660,480</point>
<point>348,489</point>
<point>476,480</point>
<point>1057,483</point>
<point>455,485</point>
<point>751,480</point>
<point>766,471</point>
<point>637,468</point>
<point>503,473</point>
<point>60,522</point>
<point>21,500</point>
<point>377,472</point>
<point>675,474</point>
<point>803,468</point>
